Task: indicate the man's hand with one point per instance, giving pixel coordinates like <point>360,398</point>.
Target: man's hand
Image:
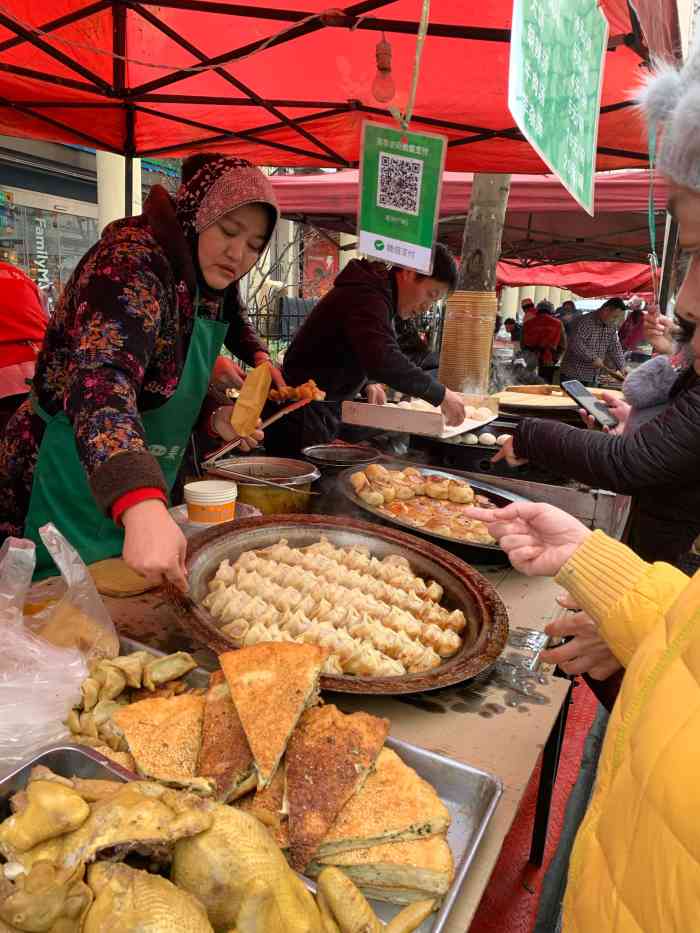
<point>586,652</point>
<point>598,363</point>
<point>538,538</point>
<point>375,394</point>
<point>507,453</point>
<point>221,424</point>
<point>619,408</point>
<point>154,545</point>
<point>453,408</point>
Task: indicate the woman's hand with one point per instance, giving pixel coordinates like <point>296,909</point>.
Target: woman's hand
<point>538,538</point>
<point>507,453</point>
<point>375,394</point>
<point>225,375</point>
<point>658,330</point>
<point>277,377</point>
<point>586,652</point>
<point>154,545</point>
<point>221,424</point>
<point>619,408</point>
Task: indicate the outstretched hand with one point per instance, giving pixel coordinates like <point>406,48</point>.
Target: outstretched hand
<point>537,537</point>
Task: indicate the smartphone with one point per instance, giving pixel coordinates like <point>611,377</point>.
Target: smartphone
<point>599,410</point>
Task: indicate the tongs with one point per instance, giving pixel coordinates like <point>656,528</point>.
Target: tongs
<point>231,445</point>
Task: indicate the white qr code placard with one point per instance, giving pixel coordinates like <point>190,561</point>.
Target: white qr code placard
<point>399,183</point>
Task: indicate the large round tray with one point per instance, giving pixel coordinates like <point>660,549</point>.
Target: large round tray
<point>464,587</point>
<point>499,497</point>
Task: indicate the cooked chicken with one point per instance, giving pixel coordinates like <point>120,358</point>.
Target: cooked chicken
<point>47,900</point>
<point>44,811</point>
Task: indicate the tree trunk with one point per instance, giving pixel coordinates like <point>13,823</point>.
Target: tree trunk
<point>483,230</point>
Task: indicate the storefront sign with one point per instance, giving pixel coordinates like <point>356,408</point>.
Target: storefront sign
<point>557,57</point>
<point>400,185</point>
<point>41,258</point>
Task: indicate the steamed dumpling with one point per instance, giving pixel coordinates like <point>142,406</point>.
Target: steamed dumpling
<point>502,439</point>
<point>488,439</point>
<point>470,439</point>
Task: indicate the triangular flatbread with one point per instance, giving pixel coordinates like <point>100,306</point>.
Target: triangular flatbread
<point>393,804</point>
<point>271,685</point>
<point>225,754</point>
<point>164,736</point>
<point>399,872</point>
<point>268,807</point>
<point>328,758</point>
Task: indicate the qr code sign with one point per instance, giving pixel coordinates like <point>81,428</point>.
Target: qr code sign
<point>399,183</point>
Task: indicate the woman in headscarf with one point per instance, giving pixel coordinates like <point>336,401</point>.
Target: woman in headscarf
<point>123,373</point>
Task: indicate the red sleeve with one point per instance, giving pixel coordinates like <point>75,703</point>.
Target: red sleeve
<point>133,497</point>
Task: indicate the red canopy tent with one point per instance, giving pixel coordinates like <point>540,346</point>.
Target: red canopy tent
<point>547,239</point>
<point>543,222</point>
<point>286,86</point>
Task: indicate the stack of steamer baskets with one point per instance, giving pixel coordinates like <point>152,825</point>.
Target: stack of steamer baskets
<point>467,341</point>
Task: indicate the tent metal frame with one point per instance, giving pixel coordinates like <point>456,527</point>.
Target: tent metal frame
<point>133,100</point>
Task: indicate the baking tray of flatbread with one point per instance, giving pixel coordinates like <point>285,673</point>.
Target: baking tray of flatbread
<point>465,591</point>
<point>547,398</point>
<point>496,497</point>
<point>469,794</point>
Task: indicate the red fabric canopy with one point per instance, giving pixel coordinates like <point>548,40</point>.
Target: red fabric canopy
<point>587,279</point>
<point>283,86</point>
<point>543,222</point>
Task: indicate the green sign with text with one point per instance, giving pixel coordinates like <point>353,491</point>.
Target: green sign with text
<point>400,185</point>
<point>557,56</point>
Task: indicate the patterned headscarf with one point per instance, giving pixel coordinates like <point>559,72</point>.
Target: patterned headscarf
<point>220,185</point>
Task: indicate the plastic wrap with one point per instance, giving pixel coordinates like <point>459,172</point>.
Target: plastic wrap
<point>44,657</point>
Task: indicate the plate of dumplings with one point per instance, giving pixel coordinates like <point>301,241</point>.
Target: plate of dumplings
<point>395,614</point>
<point>429,502</point>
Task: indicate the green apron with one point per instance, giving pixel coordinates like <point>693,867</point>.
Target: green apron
<point>60,490</point>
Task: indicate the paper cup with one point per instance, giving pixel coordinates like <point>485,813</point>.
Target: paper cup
<point>211,501</point>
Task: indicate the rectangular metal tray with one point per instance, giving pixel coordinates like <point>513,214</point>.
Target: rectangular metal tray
<point>470,795</point>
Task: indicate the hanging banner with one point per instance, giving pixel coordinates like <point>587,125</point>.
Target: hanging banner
<point>400,186</point>
<point>557,57</point>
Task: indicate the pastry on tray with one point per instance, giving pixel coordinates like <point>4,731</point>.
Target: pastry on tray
<point>426,500</point>
<point>375,618</point>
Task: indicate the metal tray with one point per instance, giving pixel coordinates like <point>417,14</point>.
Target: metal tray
<point>464,588</point>
<point>470,795</point>
<point>340,456</point>
<point>498,496</point>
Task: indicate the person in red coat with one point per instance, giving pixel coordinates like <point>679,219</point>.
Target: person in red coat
<point>22,326</point>
<point>544,335</point>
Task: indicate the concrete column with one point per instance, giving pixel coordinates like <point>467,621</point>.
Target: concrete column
<point>111,188</point>
<point>347,254</point>
<point>510,302</point>
<point>541,293</point>
<point>555,296</point>
<point>526,291</point>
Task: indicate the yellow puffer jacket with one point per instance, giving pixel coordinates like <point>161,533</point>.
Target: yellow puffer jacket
<point>635,866</point>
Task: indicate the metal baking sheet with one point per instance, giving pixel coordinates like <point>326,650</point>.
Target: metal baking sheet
<point>498,496</point>
<point>470,795</point>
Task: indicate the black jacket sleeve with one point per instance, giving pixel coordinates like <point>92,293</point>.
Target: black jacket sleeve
<point>370,334</point>
<point>662,451</point>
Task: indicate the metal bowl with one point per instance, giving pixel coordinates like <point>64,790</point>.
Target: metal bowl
<point>335,456</point>
<point>292,477</point>
<point>465,589</point>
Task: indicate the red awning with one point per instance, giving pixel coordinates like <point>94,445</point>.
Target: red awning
<point>286,86</point>
<point>543,222</point>
<point>587,279</point>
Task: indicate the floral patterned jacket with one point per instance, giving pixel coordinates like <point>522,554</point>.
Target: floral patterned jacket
<point>116,346</point>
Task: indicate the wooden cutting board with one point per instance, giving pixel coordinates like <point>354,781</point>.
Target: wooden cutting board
<point>544,397</point>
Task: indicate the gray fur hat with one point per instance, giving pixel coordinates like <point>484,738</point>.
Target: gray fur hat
<point>670,100</point>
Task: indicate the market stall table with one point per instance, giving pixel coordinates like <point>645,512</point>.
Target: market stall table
<point>478,725</point>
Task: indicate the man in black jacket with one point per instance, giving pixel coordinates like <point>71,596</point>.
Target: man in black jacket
<point>348,344</point>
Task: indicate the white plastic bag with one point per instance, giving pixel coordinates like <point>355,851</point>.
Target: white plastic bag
<point>39,679</point>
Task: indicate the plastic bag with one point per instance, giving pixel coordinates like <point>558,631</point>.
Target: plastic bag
<point>40,679</point>
<point>80,619</point>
